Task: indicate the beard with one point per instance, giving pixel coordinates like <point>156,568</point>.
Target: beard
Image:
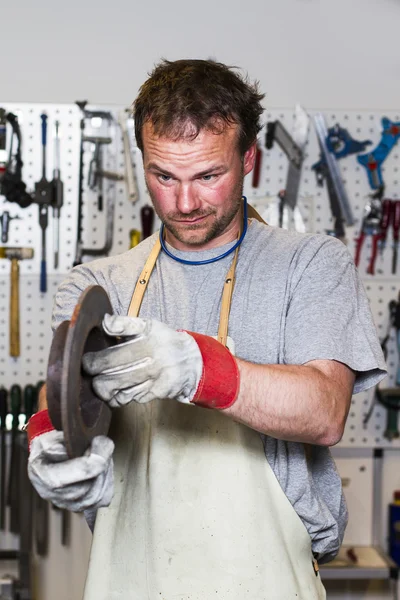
<point>195,235</point>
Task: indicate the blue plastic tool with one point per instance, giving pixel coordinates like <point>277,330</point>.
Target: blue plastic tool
<point>341,144</point>
<point>372,161</point>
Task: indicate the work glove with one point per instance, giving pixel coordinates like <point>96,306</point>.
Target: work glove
<point>157,362</point>
<point>76,484</point>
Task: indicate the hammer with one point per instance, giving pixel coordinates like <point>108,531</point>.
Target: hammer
<point>15,255</point>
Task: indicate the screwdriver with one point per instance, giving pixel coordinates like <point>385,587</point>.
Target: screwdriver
<point>396,227</point>
<point>57,196</point>
<point>43,194</point>
<point>13,477</point>
<point>3,415</point>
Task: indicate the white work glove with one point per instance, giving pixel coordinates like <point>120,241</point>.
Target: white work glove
<point>76,484</point>
<point>156,362</point>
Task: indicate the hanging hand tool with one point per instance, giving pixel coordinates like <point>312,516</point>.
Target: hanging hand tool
<point>29,401</point>
<point>370,225</point>
<point>373,161</point>
<point>130,179</point>
<point>15,255</point>
<point>396,228</point>
<point>339,202</point>
<point>379,240</point>
<point>384,343</point>
<point>147,220</point>
<point>3,141</point>
<point>13,495</point>
<point>41,509</point>
<point>341,144</point>
<point>389,397</point>
<point>11,185</point>
<point>387,214</point>
<point>3,472</point>
<point>39,506</point>
<point>5,220</point>
<point>94,181</point>
<point>78,247</point>
<point>26,489</point>
<point>57,197</point>
<point>293,146</point>
<point>257,168</point>
<point>109,218</point>
<point>96,174</point>
<point>43,197</point>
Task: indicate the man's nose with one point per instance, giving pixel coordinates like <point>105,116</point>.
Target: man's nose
<point>186,199</point>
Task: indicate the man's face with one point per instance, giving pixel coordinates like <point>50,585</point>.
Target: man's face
<point>196,185</point>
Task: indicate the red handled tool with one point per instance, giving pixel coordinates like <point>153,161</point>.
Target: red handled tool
<point>396,227</point>
<point>370,226</point>
<point>379,238</point>
<point>257,168</point>
<point>387,214</point>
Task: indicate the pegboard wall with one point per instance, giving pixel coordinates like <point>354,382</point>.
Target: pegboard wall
<point>313,214</point>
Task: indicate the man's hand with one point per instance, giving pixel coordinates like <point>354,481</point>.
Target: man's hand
<point>154,361</point>
<point>76,484</point>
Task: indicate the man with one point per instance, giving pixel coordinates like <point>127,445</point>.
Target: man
<point>224,485</point>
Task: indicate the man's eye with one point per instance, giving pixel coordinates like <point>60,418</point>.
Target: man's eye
<point>164,177</point>
<point>208,177</point>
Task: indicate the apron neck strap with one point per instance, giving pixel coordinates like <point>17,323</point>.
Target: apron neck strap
<point>142,282</point>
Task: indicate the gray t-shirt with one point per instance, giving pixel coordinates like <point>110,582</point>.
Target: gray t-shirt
<point>297,298</point>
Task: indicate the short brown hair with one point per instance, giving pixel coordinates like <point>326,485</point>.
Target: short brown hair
<point>204,93</point>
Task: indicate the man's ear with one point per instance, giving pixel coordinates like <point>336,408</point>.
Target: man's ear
<point>249,158</point>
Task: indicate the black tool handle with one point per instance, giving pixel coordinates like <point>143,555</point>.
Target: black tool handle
<point>3,407</point>
<point>16,403</point>
<point>3,415</point>
<point>29,400</point>
<point>147,220</point>
<point>13,499</point>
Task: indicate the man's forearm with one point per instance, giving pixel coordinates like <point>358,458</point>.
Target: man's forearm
<point>295,403</point>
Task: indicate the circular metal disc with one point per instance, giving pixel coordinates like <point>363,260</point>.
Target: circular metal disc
<point>54,373</point>
<point>83,414</point>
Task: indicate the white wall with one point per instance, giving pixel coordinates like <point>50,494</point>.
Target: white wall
<point>322,53</point>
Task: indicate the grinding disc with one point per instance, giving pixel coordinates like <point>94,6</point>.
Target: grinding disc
<point>54,373</point>
<point>83,414</point>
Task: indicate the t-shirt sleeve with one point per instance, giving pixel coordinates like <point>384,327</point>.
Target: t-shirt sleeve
<point>329,316</point>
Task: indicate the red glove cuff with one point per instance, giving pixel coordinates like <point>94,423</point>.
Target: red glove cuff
<point>39,423</point>
<point>220,380</point>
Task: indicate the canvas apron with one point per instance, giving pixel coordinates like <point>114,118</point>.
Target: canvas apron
<point>197,513</point>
